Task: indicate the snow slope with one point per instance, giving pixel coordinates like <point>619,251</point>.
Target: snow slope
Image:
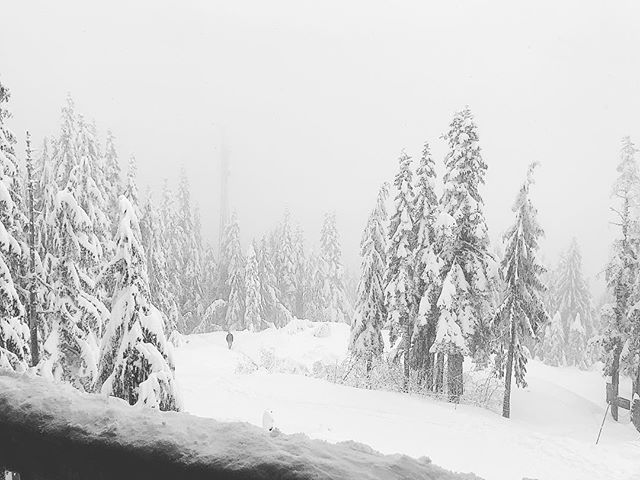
<point>551,434</point>
<point>51,430</point>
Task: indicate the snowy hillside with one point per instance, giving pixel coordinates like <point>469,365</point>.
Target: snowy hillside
<point>551,434</point>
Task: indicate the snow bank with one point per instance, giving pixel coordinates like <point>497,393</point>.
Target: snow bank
<point>51,429</point>
<point>551,434</point>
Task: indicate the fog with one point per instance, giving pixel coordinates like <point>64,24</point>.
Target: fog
<point>315,100</point>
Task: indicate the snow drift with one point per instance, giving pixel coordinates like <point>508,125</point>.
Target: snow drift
<point>56,432</point>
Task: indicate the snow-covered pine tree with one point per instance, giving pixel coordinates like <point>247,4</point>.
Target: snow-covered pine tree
<point>90,195</point>
<point>272,310</point>
<point>209,275</point>
<point>113,181</point>
<point>285,263</point>
<point>131,184</point>
<point>336,307</point>
<point>92,181</point>
<point>553,345</point>
<point>168,217</point>
<point>234,280</point>
<point>370,314</point>
<point>522,311</point>
<point>465,299</point>
<point>577,343</point>
<point>252,319</point>
<point>400,291</point>
<point>314,290</point>
<point>64,155</point>
<point>153,235</point>
<point>188,257</point>
<point>427,270</point>
<point>622,269</point>
<point>572,291</point>
<point>136,361</point>
<point>300,267</point>
<point>14,333</point>
<point>71,349</point>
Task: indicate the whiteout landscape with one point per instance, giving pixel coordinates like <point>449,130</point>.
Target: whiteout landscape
<point>307,241</point>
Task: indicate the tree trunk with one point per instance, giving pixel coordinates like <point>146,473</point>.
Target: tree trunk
<point>31,308</point>
<point>407,355</point>
<point>439,373</point>
<point>369,365</point>
<point>506,404</point>
<point>615,379</point>
<point>454,377</point>
<point>430,360</point>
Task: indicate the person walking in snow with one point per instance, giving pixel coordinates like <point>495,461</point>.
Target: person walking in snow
<point>229,339</point>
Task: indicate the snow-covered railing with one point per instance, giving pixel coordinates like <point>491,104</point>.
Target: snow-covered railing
<point>54,432</point>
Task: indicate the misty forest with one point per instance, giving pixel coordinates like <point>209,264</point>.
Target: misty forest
<point>415,252</point>
<point>102,283</point>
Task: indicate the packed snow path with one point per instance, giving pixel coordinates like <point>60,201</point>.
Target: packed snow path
<point>52,431</point>
<point>551,434</point>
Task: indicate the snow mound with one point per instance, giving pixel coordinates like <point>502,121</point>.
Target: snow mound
<point>47,427</point>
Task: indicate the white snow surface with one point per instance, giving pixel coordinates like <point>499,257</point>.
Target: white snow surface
<point>201,446</point>
<point>551,434</point>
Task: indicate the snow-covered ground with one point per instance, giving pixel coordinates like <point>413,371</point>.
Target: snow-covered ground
<point>551,434</point>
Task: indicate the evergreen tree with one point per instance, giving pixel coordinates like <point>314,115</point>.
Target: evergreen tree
<point>577,343</point>
<point>252,318</point>
<point>425,210</point>
<point>188,257</point>
<point>622,270</point>
<point>336,306</point>
<point>131,187</point>
<point>286,264</point>
<point>465,299</point>
<point>153,232</point>
<point>400,290</point>
<point>234,281</point>
<point>71,349</point>
<point>272,310</point>
<point>300,268</point>
<point>112,173</point>
<point>522,310</point>
<point>171,243</point>
<point>572,291</point>
<point>553,345</point>
<point>136,361</point>
<point>14,333</point>
<point>370,313</point>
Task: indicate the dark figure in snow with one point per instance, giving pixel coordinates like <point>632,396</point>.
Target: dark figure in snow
<point>229,339</point>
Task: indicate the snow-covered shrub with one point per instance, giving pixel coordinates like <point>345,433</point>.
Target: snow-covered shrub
<point>322,330</point>
<point>269,362</point>
<point>297,325</point>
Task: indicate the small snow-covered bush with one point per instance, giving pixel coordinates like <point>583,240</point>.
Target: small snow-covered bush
<point>323,330</point>
<point>297,325</point>
<point>270,362</point>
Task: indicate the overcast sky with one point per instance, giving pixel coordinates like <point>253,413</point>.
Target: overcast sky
<point>316,99</point>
